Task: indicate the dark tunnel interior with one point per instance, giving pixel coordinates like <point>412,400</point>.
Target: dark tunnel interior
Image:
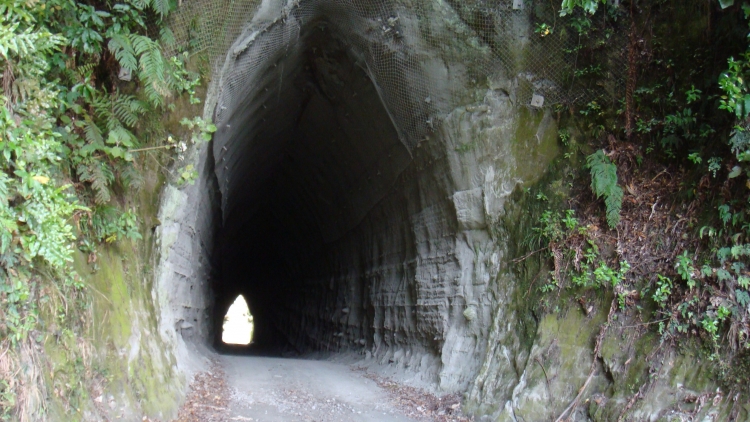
<point>309,152</point>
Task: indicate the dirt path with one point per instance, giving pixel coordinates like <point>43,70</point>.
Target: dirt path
<point>250,388</point>
<point>273,389</point>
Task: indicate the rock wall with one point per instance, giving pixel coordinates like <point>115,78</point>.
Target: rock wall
<point>344,232</point>
<point>378,212</point>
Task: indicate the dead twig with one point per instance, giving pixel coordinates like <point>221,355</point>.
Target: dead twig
<point>549,390</point>
<point>630,404</point>
<point>525,257</point>
<point>208,406</point>
<point>643,324</point>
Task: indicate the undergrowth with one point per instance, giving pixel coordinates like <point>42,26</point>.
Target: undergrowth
<point>672,243</point>
<point>82,84</point>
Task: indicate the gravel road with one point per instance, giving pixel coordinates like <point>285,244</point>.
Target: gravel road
<point>289,390</point>
<point>269,389</point>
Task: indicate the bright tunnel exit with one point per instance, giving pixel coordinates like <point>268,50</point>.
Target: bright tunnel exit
<point>238,323</point>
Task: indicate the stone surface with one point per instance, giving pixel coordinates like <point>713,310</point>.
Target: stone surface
<point>348,234</point>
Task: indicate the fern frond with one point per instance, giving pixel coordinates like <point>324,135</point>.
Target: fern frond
<point>139,4</point>
<point>4,190</point>
<point>140,43</point>
<point>153,95</point>
<point>161,7</point>
<point>166,36</point>
<point>152,68</point>
<point>128,109</point>
<point>129,175</point>
<point>121,136</point>
<point>613,203</point>
<point>85,70</point>
<point>604,185</point>
<point>84,174</point>
<point>102,177</point>
<point>99,176</point>
<point>102,105</point>
<point>106,171</point>
<point>121,47</point>
<point>93,133</point>
<point>152,64</point>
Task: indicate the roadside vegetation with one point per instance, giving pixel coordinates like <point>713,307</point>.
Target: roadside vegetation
<point>82,84</point>
<point>658,221</point>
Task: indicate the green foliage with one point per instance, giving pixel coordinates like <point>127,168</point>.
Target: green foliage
<point>558,231</point>
<point>7,399</point>
<point>67,134</point>
<point>603,275</point>
<point>109,224</point>
<point>604,185</point>
<point>663,290</point>
<point>594,271</point>
<point>589,6</point>
<point>686,269</point>
<point>556,228</point>
<point>60,124</point>
<point>188,175</point>
<point>736,98</point>
<point>184,80</point>
<point>33,211</point>
<point>543,29</point>
<point>682,117</point>
<point>201,130</point>
<point>19,311</point>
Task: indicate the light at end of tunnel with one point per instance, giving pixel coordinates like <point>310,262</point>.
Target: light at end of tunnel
<point>238,323</point>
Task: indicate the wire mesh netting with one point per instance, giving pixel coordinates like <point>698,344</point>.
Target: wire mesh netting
<point>420,54</point>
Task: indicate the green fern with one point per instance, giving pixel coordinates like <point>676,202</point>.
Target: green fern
<point>93,132</point>
<point>100,176</point>
<point>143,55</point>
<point>139,4</point>
<point>161,7</point>
<point>604,184</point>
<point>85,71</point>
<point>129,176</point>
<point>128,110</point>
<point>152,66</point>
<point>166,36</point>
<point>122,48</point>
<point>118,114</point>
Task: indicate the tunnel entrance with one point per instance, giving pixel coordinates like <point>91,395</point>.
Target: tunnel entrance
<point>355,191</point>
<point>238,324</point>
<point>307,160</point>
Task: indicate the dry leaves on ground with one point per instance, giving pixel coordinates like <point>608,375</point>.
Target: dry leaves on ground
<point>207,400</point>
<point>421,405</point>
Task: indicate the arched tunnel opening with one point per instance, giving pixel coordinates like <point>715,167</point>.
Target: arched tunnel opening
<point>316,231</point>
<point>354,192</point>
<point>237,326</point>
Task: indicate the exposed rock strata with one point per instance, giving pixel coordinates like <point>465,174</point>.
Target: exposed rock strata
<point>351,225</point>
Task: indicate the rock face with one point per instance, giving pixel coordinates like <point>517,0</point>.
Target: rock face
<point>358,193</point>
<point>363,193</point>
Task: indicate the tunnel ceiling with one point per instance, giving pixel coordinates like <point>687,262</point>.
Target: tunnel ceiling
<point>312,143</point>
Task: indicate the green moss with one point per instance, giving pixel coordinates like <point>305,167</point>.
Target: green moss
<point>129,355</point>
<point>104,339</point>
<point>564,346</point>
<point>534,144</point>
